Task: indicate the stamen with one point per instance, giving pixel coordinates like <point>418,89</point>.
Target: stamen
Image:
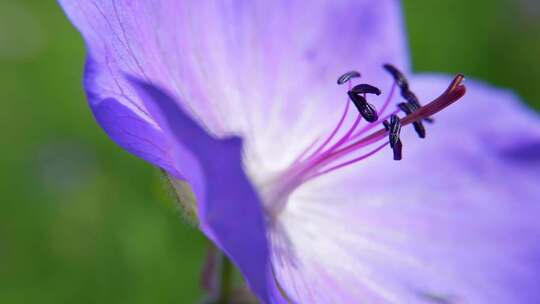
<point>345,137</point>
<point>388,99</point>
<point>366,89</point>
<point>394,129</point>
<point>326,160</point>
<point>336,129</point>
<point>453,93</point>
<point>414,102</point>
<point>398,77</point>
<point>334,132</point>
<point>412,99</point>
<point>420,129</point>
<point>366,109</point>
<point>418,126</point>
<point>397,149</point>
<point>352,161</point>
<point>348,76</point>
<point>406,93</point>
<point>382,110</point>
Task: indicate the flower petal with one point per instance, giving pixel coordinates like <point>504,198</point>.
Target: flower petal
<point>130,131</point>
<point>229,209</point>
<point>455,222</point>
<point>242,67</point>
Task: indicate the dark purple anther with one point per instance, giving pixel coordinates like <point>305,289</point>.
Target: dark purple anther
<point>397,149</point>
<point>406,93</point>
<point>414,102</point>
<point>369,113</point>
<point>366,89</point>
<point>394,129</point>
<point>412,99</point>
<point>398,77</point>
<point>366,109</point>
<point>386,125</point>
<point>406,108</point>
<point>347,76</point>
<point>418,126</point>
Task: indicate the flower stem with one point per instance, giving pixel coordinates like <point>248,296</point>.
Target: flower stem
<point>225,283</point>
<point>217,277</point>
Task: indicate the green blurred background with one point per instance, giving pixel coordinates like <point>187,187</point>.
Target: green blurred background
<point>82,221</point>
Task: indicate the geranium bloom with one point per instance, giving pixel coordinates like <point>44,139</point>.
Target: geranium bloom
<point>295,182</point>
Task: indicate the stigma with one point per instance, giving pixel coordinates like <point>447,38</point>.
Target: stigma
<point>374,128</point>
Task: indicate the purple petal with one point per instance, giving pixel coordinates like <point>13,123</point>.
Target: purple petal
<point>124,123</point>
<point>134,134</point>
<point>229,209</point>
<point>241,67</point>
<point>455,222</point>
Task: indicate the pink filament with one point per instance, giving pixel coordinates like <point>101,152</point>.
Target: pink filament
<point>306,150</point>
<point>336,129</point>
<point>316,159</point>
<point>454,92</point>
<point>346,136</point>
<point>350,162</point>
<point>318,164</point>
<point>388,99</point>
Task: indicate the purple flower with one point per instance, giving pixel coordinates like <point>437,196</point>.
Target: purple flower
<point>239,99</point>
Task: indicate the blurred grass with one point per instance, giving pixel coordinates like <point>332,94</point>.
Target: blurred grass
<point>82,221</point>
<point>494,40</point>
